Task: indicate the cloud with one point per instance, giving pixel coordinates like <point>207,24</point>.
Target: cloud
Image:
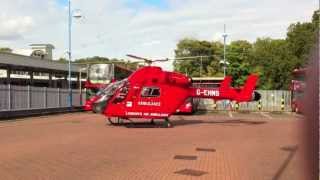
<point>151,43</point>
<point>144,27</point>
<point>13,28</point>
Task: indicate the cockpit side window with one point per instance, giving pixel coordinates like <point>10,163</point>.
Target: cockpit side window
<point>150,92</point>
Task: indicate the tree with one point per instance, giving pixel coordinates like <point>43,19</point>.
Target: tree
<point>102,60</point>
<point>315,19</point>
<point>94,59</point>
<point>62,60</point>
<point>239,56</point>
<point>6,50</point>
<point>301,38</point>
<point>274,62</point>
<point>191,47</point>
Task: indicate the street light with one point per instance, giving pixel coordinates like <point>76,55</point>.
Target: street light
<point>75,14</point>
<point>224,50</point>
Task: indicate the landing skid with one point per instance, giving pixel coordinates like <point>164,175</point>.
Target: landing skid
<point>167,123</point>
<point>119,121</point>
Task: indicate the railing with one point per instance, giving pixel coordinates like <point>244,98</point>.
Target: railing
<point>14,98</point>
<point>271,100</point>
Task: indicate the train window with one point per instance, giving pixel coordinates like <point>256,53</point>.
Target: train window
<point>150,92</point>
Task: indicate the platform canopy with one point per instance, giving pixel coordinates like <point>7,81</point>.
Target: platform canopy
<point>10,59</point>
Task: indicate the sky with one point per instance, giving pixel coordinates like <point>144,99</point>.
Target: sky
<point>148,28</point>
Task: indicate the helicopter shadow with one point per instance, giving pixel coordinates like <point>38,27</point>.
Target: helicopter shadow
<point>233,122</point>
<point>184,122</point>
<point>144,125</point>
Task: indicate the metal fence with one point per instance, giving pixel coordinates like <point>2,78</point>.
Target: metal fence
<point>28,97</point>
<point>271,100</point>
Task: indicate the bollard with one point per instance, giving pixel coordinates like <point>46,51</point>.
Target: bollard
<point>214,105</point>
<point>259,105</point>
<point>282,103</point>
<point>237,106</point>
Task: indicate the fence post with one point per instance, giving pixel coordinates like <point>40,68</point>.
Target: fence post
<point>29,97</point>
<point>45,97</point>
<point>9,96</point>
<point>58,97</point>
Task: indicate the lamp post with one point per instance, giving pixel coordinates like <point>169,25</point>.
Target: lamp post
<point>200,65</point>
<point>69,54</point>
<point>224,50</point>
<point>70,15</point>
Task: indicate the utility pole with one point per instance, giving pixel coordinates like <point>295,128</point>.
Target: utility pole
<point>77,15</point>
<point>224,50</point>
<point>200,65</point>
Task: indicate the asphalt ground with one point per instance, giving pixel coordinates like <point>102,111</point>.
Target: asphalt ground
<point>221,146</point>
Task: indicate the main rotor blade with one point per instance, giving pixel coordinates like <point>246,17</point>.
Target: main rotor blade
<point>140,58</point>
<point>161,60</point>
<point>192,58</point>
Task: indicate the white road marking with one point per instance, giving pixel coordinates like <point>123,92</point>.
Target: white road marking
<point>230,114</point>
<point>298,116</point>
<point>266,115</point>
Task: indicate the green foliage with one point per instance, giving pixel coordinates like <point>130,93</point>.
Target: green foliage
<point>301,38</point>
<point>191,47</point>
<point>101,60</point>
<point>93,60</point>
<point>6,50</point>
<point>62,60</point>
<point>239,56</point>
<point>274,61</point>
<point>315,18</point>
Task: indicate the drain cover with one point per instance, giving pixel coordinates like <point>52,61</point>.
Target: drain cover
<point>184,157</point>
<point>191,172</point>
<point>206,149</point>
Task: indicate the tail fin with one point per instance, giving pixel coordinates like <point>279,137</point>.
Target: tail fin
<point>226,83</point>
<point>247,94</point>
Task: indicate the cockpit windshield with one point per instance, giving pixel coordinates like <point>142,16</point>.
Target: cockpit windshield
<point>110,90</point>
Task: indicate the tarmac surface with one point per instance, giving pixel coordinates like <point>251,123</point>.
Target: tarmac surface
<point>219,146</point>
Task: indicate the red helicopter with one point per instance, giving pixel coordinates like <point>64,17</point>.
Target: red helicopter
<point>96,105</point>
<point>151,93</point>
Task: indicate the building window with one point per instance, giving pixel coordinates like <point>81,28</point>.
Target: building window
<point>150,92</point>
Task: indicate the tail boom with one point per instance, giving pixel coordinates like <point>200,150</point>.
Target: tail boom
<point>225,91</point>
